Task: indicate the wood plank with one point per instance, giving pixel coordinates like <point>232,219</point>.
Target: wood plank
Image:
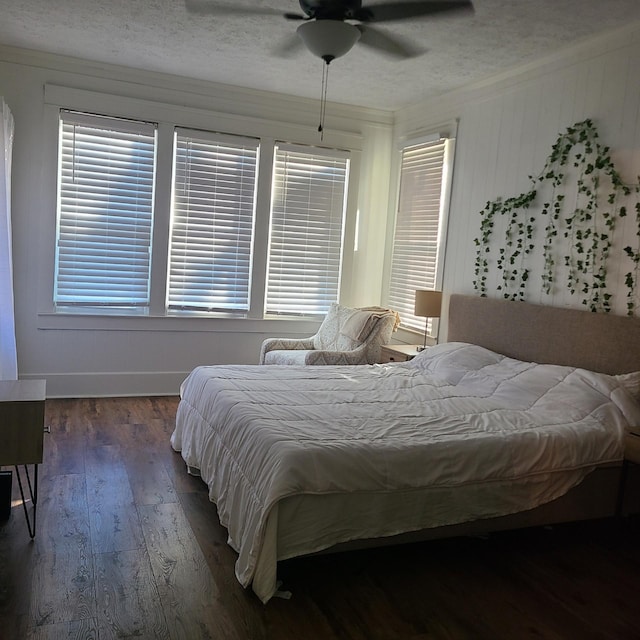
<point>245,609</point>
<point>187,589</point>
<point>582,591</point>
<point>63,455</point>
<point>176,559</point>
<point>145,448</point>
<point>176,468</point>
<point>62,588</point>
<point>17,553</point>
<point>128,604</point>
<point>115,525</point>
<point>148,477</point>
<point>85,629</point>
<point>178,580</point>
<point>63,517</point>
<point>64,447</point>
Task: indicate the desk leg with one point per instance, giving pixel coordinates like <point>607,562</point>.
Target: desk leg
<point>33,494</point>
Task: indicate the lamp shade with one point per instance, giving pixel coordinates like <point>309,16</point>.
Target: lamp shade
<point>428,303</point>
<point>328,39</point>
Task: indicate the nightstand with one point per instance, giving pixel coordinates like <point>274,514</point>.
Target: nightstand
<point>22,433</point>
<point>398,352</point>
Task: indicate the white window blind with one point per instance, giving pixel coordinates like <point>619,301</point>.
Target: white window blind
<point>105,211</point>
<point>214,196</point>
<point>307,219</point>
<point>415,245</point>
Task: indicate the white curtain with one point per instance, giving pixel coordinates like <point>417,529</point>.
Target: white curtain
<point>8,356</point>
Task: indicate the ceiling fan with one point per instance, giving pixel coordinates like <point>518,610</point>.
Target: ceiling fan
<point>330,28</point>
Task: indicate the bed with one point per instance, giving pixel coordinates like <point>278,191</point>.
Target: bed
<point>519,419</point>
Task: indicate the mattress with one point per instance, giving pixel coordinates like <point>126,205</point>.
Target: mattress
<point>456,434</point>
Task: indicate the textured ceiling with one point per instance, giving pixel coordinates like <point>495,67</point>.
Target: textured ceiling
<point>160,35</point>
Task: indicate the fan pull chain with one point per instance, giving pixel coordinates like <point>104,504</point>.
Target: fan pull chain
<point>323,97</point>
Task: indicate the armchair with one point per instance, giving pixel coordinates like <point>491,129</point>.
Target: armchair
<point>346,336</point>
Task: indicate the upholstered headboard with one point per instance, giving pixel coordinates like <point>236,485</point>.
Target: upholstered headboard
<point>535,333</point>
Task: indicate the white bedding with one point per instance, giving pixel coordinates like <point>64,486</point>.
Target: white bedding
<point>456,416</point>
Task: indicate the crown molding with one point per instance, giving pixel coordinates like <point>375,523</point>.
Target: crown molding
<point>177,90</point>
<point>591,47</point>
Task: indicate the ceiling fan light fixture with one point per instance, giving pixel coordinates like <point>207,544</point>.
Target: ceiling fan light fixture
<point>328,39</point>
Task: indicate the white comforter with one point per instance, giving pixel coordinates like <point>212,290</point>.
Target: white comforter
<point>454,416</point>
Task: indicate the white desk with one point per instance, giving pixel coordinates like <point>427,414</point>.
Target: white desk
<point>22,433</point>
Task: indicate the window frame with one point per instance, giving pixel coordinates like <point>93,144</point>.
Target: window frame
<point>221,141</point>
<point>66,222</point>
<point>448,132</point>
<point>168,116</point>
<point>317,153</point>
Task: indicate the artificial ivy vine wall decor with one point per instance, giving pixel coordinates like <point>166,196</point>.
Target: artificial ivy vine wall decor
<point>584,198</point>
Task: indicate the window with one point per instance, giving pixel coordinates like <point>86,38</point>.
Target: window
<point>105,211</point>
<point>159,220</point>
<point>307,222</point>
<point>419,226</point>
<point>214,194</point>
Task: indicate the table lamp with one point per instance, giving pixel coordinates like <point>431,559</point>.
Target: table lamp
<point>427,304</point>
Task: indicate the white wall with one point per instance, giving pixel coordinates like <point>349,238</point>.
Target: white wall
<point>506,128</point>
<point>86,356</point>
<point>508,125</point>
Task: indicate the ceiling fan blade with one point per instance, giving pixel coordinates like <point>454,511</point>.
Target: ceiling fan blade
<point>384,43</point>
<point>212,8</point>
<point>386,12</point>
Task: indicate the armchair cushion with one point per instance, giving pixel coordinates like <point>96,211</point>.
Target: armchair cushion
<point>346,336</point>
<point>288,356</point>
<point>271,345</point>
<point>329,336</point>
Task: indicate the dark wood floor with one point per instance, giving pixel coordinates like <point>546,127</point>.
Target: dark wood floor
<point>129,546</point>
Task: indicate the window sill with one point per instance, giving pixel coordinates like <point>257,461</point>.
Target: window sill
<point>96,321</point>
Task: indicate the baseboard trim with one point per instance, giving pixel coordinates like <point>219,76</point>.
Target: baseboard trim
<point>116,384</point>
